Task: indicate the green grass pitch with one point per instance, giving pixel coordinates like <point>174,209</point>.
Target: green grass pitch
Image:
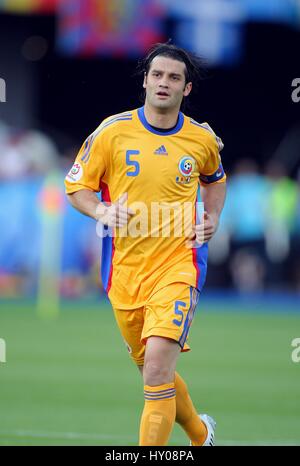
<point>70,381</point>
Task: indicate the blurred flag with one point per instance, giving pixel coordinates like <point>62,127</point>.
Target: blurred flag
<point>29,6</point>
<point>215,28</point>
<point>114,27</point>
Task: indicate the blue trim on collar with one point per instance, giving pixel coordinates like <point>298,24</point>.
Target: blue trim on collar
<point>141,115</point>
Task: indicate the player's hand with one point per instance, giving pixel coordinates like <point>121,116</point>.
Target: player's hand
<point>115,215</point>
<point>204,231</point>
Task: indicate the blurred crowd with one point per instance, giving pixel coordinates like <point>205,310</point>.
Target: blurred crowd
<point>257,246</point>
<point>25,153</point>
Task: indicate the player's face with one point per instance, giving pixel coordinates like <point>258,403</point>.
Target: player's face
<point>165,83</point>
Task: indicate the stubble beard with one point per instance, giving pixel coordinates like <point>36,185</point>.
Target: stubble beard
<point>166,105</point>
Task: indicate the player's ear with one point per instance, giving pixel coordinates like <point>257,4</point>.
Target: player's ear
<point>187,89</point>
<point>145,80</point>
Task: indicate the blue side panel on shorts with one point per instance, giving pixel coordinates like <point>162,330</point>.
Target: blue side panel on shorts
<point>106,260</point>
<point>194,297</point>
<point>202,252</point>
<point>202,255</point>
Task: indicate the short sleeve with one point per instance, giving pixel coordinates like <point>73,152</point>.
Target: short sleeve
<point>89,166</point>
<point>213,171</point>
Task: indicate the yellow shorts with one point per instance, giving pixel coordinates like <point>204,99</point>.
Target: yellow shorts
<point>169,313</point>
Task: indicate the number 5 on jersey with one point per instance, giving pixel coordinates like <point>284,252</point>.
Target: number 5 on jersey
<point>132,163</point>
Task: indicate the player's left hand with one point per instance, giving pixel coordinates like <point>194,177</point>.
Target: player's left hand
<point>203,231</point>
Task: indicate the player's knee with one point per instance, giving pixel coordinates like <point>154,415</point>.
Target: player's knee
<point>156,374</point>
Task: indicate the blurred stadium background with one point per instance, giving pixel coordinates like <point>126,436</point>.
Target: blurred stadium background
<point>66,65</point>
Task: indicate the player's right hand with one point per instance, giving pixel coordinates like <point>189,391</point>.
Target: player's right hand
<point>115,215</point>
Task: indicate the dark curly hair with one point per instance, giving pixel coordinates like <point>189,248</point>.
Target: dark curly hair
<point>194,65</point>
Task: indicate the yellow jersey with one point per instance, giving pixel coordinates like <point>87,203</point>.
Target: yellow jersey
<point>155,168</point>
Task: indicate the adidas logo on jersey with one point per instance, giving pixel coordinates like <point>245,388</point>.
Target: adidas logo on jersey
<point>161,151</point>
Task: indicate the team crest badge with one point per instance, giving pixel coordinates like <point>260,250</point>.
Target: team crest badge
<point>186,167</point>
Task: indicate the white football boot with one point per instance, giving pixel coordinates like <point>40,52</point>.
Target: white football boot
<point>210,424</point>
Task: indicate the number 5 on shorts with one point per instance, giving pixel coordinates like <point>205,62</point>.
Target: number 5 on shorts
<point>178,312</point>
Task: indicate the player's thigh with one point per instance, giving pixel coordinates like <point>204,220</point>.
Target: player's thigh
<point>131,323</point>
<point>170,312</point>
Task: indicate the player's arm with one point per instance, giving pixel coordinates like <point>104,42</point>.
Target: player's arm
<point>213,189</point>
<point>87,202</point>
<point>84,180</point>
<point>213,197</point>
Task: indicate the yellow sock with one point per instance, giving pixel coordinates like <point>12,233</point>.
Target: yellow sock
<point>186,414</point>
<point>159,414</point>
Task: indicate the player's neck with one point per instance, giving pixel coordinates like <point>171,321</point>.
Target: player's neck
<point>160,118</point>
